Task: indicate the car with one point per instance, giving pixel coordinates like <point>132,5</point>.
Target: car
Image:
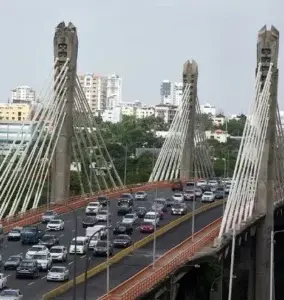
<point>206,188</point>
<point>140,195</point>
<point>147,227</point>
<point>227,188</point>
<point>56,225</point>
<point>179,209</point>
<point>3,281</point>
<point>96,233</point>
<point>219,193</point>
<point>48,216</point>
<point>130,219</point>
<point>124,209</point>
<point>89,221</point>
<point>190,185</point>
<point>170,202</point>
<point>208,197</point>
<point>93,208</point>
<point>198,192</point>
<point>13,294</point>
<point>123,228</point>
<point>49,240</point>
<point>178,197</point>
<point>27,268</point>
<point>35,249</point>
<point>58,273</point>
<point>201,183</point>
<point>140,211</point>
<point>189,195</point>
<point>58,253</point>
<point>44,261</point>
<point>125,198</point>
<point>103,200</point>
<point>13,262</point>
<point>152,217</point>
<point>81,245</point>
<point>159,212</point>
<point>177,186</point>
<point>212,183</point>
<point>160,204</point>
<point>15,234</point>
<point>103,216</point>
<point>122,241</point>
<point>103,248</point>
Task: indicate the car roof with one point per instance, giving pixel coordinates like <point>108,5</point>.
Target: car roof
<point>57,247</point>
<point>41,253</point>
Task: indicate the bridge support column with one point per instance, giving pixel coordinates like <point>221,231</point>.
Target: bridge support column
<point>65,47</point>
<point>190,76</point>
<point>267,50</point>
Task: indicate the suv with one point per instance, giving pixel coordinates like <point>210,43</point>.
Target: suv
<point>126,197</point>
<point>48,215</point>
<point>44,261</point>
<point>124,209</point>
<point>28,268</point>
<point>93,208</point>
<point>103,200</point>
<point>177,186</point>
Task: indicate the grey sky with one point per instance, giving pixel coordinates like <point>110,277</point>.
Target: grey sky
<point>143,41</point>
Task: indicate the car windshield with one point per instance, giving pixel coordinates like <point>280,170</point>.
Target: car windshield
<point>78,243</point>
<point>103,212</point>
<point>150,217</point>
<point>16,230</point>
<point>129,216</point>
<point>39,256</point>
<point>125,196</point>
<point>102,198</point>
<point>147,224</point>
<point>160,202</point>
<point>48,213</point>
<point>55,222</point>
<point>94,204</point>
<point>35,248</point>
<point>190,191</point>
<point>207,194</point>
<point>177,206</point>
<point>122,237</point>
<point>29,229</point>
<point>140,193</point>
<point>177,195</point>
<point>27,264</point>
<point>140,208</point>
<point>13,258</point>
<point>9,293</point>
<point>55,250</point>
<point>89,219</point>
<point>47,238</point>
<point>57,270</point>
<point>101,244</point>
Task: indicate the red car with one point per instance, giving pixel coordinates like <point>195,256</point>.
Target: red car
<point>147,227</point>
<point>177,186</point>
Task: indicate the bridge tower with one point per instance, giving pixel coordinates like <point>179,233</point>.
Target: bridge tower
<point>267,54</point>
<point>190,77</point>
<point>65,54</point>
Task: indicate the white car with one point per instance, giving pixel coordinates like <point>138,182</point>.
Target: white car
<point>11,294</point>
<point>152,217</point>
<point>213,183</point>
<point>44,260</point>
<point>58,253</point>
<point>93,208</point>
<point>140,195</point>
<point>130,219</point>
<point>201,183</point>
<point>103,215</point>
<point>15,234</point>
<point>3,281</point>
<point>56,224</point>
<point>178,197</point>
<point>81,245</point>
<point>198,192</point>
<point>227,188</point>
<point>36,249</point>
<point>58,273</point>
<point>208,197</point>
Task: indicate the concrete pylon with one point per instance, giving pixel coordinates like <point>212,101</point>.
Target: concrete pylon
<point>65,47</point>
<point>190,76</point>
<point>267,52</point>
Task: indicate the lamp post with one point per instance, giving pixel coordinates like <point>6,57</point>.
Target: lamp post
<point>213,283</point>
<point>155,227</point>
<point>271,287</point>
<point>108,244</point>
<point>125,165</point>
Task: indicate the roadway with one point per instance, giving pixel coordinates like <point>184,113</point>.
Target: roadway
<point>135,262</point>
<point>33,289</point>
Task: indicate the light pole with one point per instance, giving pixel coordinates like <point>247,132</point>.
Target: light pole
<point>125,165</point>
<point>193,210</point>
<point>155,227</point>
<point>271,288</point>
<point>213,283</point>
<point>108,244</point>
<point>232,264</point>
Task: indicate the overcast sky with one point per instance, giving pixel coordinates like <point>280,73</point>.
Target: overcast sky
<point>145,42</point>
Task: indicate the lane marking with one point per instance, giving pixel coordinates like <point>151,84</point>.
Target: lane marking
<point>31,283</point>
<point>67,221</point>
<point>83,256</point>
<point>71,262</point>
<point>73,230</point>
<point>61,235</point>
<point>8,275</point>
<point>43,277</point>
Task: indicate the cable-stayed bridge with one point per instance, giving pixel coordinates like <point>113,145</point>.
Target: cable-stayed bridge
<point>64,134</point>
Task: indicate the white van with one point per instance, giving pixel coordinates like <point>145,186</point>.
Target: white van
<point>81,245</point>
<point>152,217</point>
<point>99,232</point>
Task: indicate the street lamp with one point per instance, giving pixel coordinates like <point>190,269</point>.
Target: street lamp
<point>213,283</point>
<point>271,288</point>
<point>155,227</point>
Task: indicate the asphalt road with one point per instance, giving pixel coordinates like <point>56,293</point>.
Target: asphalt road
<point>33,289</point>
<point>132,264</point>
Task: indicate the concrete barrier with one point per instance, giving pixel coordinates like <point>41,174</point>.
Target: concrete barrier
<point>119,256</point>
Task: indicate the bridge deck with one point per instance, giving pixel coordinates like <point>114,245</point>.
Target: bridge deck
<point>170,261</point>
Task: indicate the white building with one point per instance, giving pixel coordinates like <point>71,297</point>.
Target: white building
<point>218,121</point>
<point>136,104</point>
<point>23,94</point>
<point>219,135</point>
<point>113,115</point>
<point>95,89</point>
<point>114,90</point>
<point>166,92</point>
<point>166,112</point>
<point>144,112</point>
<point>208,109</point>
<point>177,93</point>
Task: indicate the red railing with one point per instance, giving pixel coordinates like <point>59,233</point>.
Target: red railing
<point>34,215</point>
<point>144,280</point>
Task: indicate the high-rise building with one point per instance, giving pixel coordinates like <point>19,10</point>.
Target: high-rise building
<point>95,89</point>
<point>23,95</point>
<point>177,93</point>
<point>208,109</point>
<point>114,89</point>
<point>166,92</point>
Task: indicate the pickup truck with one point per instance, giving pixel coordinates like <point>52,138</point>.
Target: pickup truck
<point>31,235</point>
